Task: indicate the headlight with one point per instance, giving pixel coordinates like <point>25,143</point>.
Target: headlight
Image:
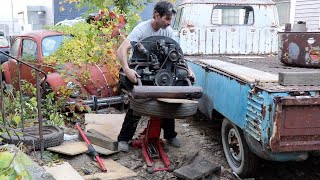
<point>75,89</point>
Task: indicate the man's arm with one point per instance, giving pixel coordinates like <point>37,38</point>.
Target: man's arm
<point>122,53</point>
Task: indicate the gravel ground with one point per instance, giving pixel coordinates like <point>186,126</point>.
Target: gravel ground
<point>198,134</point>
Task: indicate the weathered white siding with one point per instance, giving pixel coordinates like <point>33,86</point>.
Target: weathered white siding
<point>308,11</point>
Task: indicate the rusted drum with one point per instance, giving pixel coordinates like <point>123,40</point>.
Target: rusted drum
<point>301,49</point>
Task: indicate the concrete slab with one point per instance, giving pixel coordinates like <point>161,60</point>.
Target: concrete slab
<point>63,172</point>
<point>115,171</point>
<point>70,148</point>
<point>197,170</point>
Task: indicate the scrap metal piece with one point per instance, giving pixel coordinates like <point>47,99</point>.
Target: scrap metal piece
<point>299,49</point>
<point>177,92</point>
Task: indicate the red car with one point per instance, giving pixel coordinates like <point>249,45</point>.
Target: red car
<point>100,89</point>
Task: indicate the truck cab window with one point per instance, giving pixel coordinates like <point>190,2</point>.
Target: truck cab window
<point>177,19</point>
<point>232,15</point>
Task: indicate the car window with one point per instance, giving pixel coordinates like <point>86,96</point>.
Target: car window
<point>15,48</point>
<point>51,44</point>
<point>29,50</point>
<point>4,42</point>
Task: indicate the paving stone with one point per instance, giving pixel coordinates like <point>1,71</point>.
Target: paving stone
<point>202,169</point>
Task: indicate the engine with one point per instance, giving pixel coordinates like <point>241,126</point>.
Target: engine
<point>159,61</point>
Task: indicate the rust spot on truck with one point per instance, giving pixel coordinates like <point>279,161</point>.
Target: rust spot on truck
<point>296,124</point>
<point>263,112</point>
<point>190,25</point>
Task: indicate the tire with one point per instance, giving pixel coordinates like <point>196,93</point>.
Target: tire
<point>52,136</point>
<point>151,107</point>
<point>239,157</point>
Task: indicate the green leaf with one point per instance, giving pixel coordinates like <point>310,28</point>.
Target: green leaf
<point>5,159</point>
<point>17,119</point>
<point>51,116</point>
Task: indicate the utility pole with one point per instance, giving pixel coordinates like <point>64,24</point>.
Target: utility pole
<point>12,16</point>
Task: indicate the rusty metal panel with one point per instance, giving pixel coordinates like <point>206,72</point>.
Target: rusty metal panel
<point>296,124</point>
<point>198,34</point>
<point>225,40</point>
<point>299,49</point>
<point>255,114</point>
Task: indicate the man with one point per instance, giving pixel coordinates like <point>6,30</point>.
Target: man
<point>159,25</point>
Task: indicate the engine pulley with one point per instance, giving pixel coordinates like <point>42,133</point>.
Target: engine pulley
<point>174,55</point>
<point>164,78</point>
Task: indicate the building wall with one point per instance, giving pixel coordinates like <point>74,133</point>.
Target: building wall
<point>283,7</point>
<point>308,11</point>
<point>146,14</point>
<point>70,11</point>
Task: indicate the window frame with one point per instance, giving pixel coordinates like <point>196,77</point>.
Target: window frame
<point>35,56</point>
<point>64,37</point>
<point>233,7</point>
<point>18,47</point>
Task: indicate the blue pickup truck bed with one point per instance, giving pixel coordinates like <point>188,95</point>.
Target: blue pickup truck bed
<point>280,122</point>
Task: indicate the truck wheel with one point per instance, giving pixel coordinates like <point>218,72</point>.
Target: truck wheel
<point>151,107</point>
<point>240,159</point>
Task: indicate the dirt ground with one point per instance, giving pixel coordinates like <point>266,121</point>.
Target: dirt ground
<point>198,134</point>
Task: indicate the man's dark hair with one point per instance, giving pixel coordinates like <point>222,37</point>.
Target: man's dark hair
<point>164,8</point>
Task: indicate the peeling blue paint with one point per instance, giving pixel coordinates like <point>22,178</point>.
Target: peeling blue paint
<point>250,108</point>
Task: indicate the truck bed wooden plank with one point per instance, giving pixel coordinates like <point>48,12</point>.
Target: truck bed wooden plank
<point>247,74</point>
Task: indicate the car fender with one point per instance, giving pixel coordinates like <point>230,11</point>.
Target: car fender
<point>6,73</point>
<point>55,81</point>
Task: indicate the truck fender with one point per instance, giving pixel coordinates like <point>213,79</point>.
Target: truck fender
<point>265,153</point>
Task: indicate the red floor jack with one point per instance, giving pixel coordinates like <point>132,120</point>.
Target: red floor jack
<point>149,141</point>
<point>91,149</point>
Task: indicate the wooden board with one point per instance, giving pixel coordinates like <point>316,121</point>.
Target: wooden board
<point>110,131</point>
<point>70,148</point>
<point>104,119</point>
<point>107,124</point>
<point>299,78</point>
<point>63,172</point>
<point>247,74</point>
<point>75,148</point>
<point>115,171</point>
<point>174,101</point>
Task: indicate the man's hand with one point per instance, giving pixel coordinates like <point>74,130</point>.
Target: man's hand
<point>132,75</point>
